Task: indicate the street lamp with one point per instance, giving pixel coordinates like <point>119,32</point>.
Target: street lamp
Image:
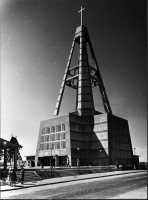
<point>51,161</point>
<point>100,157</point>
<point>78,157</point>
<point>51,156</point>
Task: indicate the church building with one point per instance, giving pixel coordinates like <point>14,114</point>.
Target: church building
<point>85,135</point>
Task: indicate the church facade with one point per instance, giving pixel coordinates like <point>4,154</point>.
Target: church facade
<point>102,140</point>
<point>86,135</point>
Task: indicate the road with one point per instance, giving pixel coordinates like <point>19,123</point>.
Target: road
<point>125,186</point>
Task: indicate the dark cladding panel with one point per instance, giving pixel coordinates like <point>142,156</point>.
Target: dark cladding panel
<point>74,118</point>
<point>119,141</point>
<point>76,136</point>
<point>75,127</point>
<point>77,143</point>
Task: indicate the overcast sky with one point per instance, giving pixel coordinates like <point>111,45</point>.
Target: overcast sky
<point>36,38</point>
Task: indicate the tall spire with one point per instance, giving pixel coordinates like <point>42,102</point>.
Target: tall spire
<point>81,14</point>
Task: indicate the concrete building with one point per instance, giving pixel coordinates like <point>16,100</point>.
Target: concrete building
<point>86,135</point>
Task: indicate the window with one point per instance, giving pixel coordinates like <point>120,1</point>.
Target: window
<point>46,146</point>
<point>46,138</point>
<point>63,136</point>
<point>63,127</point>
<point>42,138</point>
<point>51,146</point>
<point>43,131</point>
<point>57,145</point>
<point>52,129</point>
<point>63,145</point>
<point>47,129</point>
<point>52,137</point>
<point>41,147</point>
<point>58,136</point>
<point>58,128</point>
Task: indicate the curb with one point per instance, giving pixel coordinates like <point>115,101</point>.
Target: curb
<point>80,178</point>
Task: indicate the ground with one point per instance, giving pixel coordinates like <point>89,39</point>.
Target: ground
<point>125,186</point>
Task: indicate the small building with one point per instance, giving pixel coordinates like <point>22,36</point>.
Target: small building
<point>30,160</point>
<point>10,150</point>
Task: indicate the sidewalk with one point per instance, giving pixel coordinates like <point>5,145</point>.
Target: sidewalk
<point>65,179</point>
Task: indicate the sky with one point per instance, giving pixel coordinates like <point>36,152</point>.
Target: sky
<point>36,38</point>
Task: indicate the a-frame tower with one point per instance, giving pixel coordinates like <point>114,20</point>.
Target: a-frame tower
<point>83,77</point>
<point>86,135</point>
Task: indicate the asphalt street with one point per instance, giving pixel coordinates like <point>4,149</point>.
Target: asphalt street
<point>97,188</point>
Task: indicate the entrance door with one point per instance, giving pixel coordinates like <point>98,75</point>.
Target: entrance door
<point>62,160</point>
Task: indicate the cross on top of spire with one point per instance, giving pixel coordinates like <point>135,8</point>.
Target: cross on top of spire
<point>81,14</point>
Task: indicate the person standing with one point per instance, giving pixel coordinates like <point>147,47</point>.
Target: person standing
<point>22,175</point>
<point>42,163</point>
<point>13,178</point>
<point>78,164</point>
<point>68,164</point>
<point>8,180</point>
<point>117,164</point>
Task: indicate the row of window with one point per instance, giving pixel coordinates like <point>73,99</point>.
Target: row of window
<point>53,137</point>
<point>121,154</point>
<point>53,145</point>
<point>53,129</point>
<point>121,146</point>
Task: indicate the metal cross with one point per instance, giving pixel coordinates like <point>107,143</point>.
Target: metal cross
<point>81,14</point>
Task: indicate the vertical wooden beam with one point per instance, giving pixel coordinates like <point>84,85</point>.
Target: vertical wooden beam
<point>15,158</point>
<point>5,158</point>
